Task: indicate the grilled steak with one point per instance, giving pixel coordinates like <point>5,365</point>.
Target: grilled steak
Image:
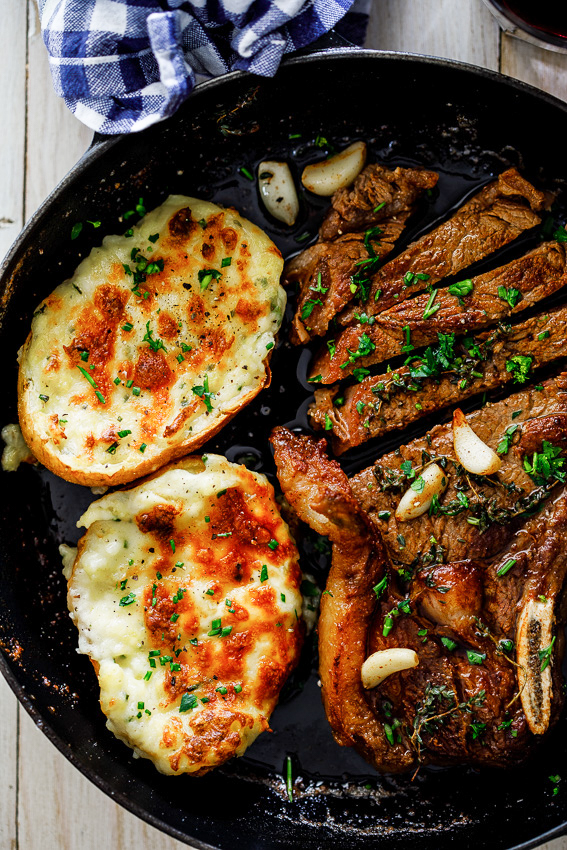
<point>495,510</point>
<point>491,219</point>
<point>461,308</point>
<point>378,193</point>
<point>377,207</point>
<point>474,589</point>
<point>443,374</point>
<point>324,273</point>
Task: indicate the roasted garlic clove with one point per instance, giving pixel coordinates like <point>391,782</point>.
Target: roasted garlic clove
<point>475,456</point>
<point>383,663</point>
<point>418,497</point>
<point>325,177</point>
<point>277,191</point>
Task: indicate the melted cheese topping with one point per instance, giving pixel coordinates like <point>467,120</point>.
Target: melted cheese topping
<point>152,345</point>
<point>16,450</point>
<point>185,592</point>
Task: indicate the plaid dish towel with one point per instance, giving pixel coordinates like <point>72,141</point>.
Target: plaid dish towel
<point>122,65</point>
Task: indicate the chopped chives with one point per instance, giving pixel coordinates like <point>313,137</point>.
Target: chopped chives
<point>89,378</point>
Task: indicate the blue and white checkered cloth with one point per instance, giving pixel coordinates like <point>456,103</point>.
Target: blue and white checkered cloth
<point>122,65</point>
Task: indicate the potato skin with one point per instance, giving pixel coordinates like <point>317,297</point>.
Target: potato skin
<point>152,346</point>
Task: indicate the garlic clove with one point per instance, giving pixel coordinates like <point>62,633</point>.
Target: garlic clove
<point>472,453</point>
<point>383,663</point>
<point>325,177</point>
<point>277,191</point>
<point>418,497</point>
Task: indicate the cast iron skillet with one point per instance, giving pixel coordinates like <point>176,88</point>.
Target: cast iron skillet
<point>469,124</point>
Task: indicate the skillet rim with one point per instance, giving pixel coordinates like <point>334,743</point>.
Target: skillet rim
<point>97,149</point>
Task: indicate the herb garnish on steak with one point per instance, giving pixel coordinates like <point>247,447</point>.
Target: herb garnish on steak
<point>453,369</point>
<point>361,229</point>
<point>462,307</point>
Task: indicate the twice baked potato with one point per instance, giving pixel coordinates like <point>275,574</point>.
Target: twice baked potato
<point>157,340</point>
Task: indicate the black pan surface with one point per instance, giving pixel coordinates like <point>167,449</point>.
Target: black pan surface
<point>467,123</point>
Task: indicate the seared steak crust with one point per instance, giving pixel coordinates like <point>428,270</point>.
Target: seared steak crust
<point>536,275</point>
<point>324,273</point>
<point>382,403</point>
<point>363,224</point>
<point>491,219</point>
<point>478,603</point>
<point>459,538</point>
<point>378,193</point>
<point>319,492</point>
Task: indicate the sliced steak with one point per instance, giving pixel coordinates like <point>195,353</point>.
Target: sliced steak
<point>375,211</point>
<point>494,511</point>
<point>324,273</point>
<point>491,297</point>
<point>378,193</point>
<point>492,218</point>
<point>473,696</point>
<point>444,374</point>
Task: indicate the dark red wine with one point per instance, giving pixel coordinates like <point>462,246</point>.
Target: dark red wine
<point>545,19</point>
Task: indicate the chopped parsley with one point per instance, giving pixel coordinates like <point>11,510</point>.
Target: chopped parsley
<point>127,600</point>
<point>365,347</point>
<point>188,701</point>
<point>506,441</point>
<point>512,295</point>
<point>76,230</point>
<point>449,644</point>
<point>206,276</point>
<point>204,393</point>
<point>520,367</point>
<point>380,587</point>
<point>476,657</point>
<point>309,306</point>
<point>155,344</point>
<point>546,466</point>
<point>462,288</point>
<point>430,308</point>
<point>505,568</point>
<point>545,655</point>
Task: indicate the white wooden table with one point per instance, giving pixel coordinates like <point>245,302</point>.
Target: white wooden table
<point>45,804</point>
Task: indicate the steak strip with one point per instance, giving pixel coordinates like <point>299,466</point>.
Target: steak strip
<point>319,492</point>
<point>529,417</point>
<point>377,206</point>
<point>382,403</point>
<point>492,218</point>
<point>378,193</point>
<point>526,281</point>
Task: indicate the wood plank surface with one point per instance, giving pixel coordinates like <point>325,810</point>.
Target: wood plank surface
<point>454,29</point>
<point>13,87</point>
<point>45,803</point>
